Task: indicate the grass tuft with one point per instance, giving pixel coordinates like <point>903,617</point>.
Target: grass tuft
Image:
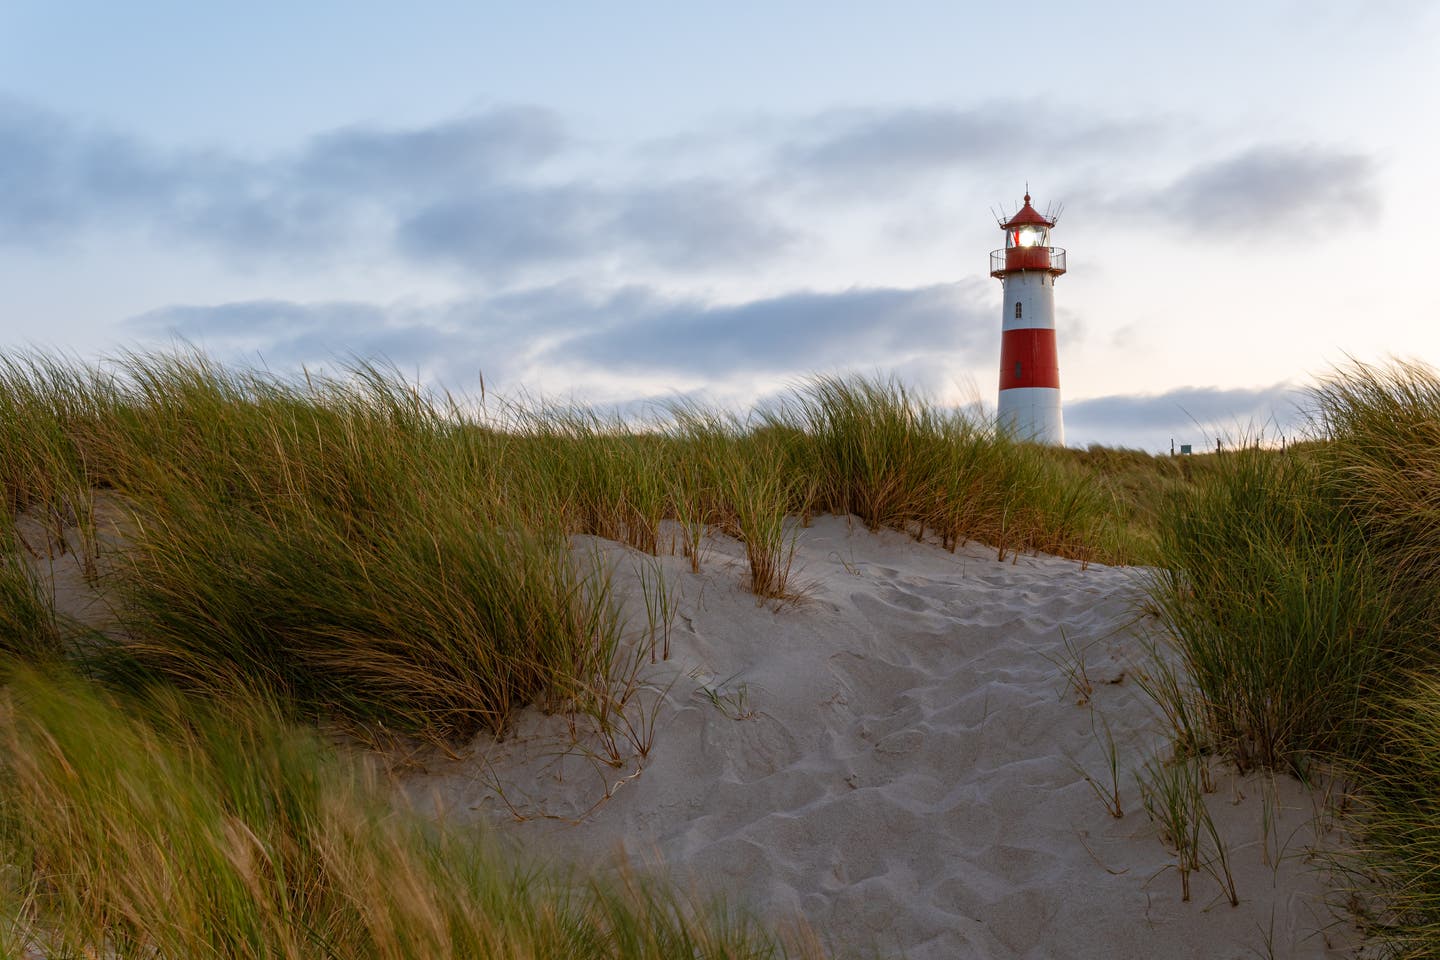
<point>1302,595</point>
<point>153,828</point>
<point>30,628</point>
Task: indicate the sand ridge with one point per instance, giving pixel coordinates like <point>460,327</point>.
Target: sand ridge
<point>899,760</point>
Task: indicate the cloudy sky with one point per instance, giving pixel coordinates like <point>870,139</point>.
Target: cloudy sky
<point>626,201</point>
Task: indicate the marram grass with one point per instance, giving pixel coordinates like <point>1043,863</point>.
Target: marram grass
<point>1283,612</point>
<point>356,547</point>
<point>30,629</point>
<point>154,828</point>
<point>370,550</point>
<point>361,549</point>
<point>1302,594</point>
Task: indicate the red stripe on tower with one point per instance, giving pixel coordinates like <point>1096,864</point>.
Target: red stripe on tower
<point>1028,359</point>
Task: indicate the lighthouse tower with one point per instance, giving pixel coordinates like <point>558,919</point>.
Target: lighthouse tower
<point>1029,366</point>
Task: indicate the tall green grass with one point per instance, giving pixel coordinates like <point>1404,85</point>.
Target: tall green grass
<point>1283,611</point>
<point>30,628</point>
<point>1302,592</point>
<point>1397,813</point>
<point>1300,584</point>
<point>1384,426</point>
<point>433,623</point>
<point>875,450</point>
<point>153,828</point>
<point>339,543</point>
<point>357,547</point>
<point>373,550</point>
<point>48,408</point>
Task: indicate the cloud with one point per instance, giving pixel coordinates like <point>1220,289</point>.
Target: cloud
<point>699,222</point>
<point>505,196</point>
<point>691,225</point>
<point>635,336</point>
<point>1189,414</point>
<point>498,230</point>
<point>905,141</point>
<point>447,157</point>
<point>1268,186</point>
<point>261,321</point>
<point>53,176</point>
<point>901,143</point>
<point>469,192</point>
<point>798,332</point>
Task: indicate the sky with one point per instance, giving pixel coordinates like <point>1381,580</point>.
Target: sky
<point>630,203</point>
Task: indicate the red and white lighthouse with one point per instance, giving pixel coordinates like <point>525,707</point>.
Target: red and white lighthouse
<point>1029,365</point>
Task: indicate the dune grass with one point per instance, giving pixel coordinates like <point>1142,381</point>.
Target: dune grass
<point>1283,609</point>
<point>369,550</point>
<point>1300,585</point>
<point>1398,811</point>
<point>30,629</point>
<point>359,549</point>
<point>1302,593</point>
<point>153,828</point>
<point>873,449</point>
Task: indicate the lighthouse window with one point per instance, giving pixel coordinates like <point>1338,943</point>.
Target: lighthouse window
<point>1017,369</point>
<point>1017,309</point>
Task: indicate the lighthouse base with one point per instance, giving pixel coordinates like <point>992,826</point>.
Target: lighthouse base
<point>1033,414</point>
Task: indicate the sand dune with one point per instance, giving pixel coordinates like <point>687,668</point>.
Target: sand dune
<point>899,760</point>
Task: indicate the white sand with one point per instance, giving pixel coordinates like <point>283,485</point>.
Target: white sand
<point>898,761</point>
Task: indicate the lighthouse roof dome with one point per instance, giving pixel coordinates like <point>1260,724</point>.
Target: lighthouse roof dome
<point>1028,215</point>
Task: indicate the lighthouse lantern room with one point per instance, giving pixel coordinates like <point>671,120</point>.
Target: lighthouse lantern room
<point>1029,365</point>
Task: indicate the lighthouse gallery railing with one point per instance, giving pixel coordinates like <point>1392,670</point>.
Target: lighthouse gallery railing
<point>1027,258</point>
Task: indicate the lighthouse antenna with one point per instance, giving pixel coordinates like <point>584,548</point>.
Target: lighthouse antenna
<point>1000,218</point>
<point>1054,216</point>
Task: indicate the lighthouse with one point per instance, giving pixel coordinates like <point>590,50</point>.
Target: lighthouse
<point>1029,365</point>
